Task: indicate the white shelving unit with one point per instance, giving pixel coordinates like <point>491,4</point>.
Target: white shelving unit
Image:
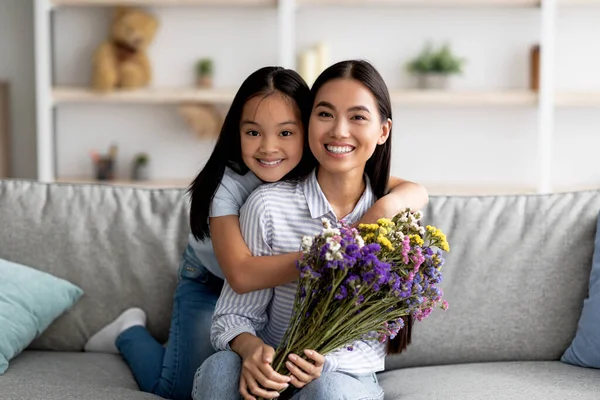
<point>95,3</point>
<point>50,97</point>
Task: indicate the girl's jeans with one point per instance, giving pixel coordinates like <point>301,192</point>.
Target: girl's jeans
<point>169,372</point>
<point>218,378</point>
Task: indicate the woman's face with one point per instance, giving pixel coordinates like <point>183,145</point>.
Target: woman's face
<point>272,136</point>
<point>345,126</point>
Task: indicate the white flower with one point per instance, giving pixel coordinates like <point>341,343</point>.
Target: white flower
<point>328,256</point>
<point>399,235</point>
<point>421,230</point>
<point>329,232</point>
<point>326,223</point>
<point>339,256</point>
<point>307,242</point>
<point>359,241</point>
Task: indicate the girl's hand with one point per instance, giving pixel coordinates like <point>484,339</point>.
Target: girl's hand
<point>258,376</point>
<point>303,372</point>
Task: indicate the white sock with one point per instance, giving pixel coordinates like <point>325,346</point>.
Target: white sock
<point>103,341</point>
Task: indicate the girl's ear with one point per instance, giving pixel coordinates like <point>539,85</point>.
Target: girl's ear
<point>386,128</point>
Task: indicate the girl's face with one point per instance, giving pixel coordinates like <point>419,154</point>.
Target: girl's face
<point>345,126</point>
<point>272,136</point>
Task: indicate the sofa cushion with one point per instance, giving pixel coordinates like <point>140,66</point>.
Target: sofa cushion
<point>585,348</point>
<point>122,246</point>
<point>502,380</point>
<point>30,300</point>
<point>515,278</point>
<point>53,375</point>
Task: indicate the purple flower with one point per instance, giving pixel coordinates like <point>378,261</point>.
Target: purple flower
<point>359,300</point>
<point>341,293</point>
<point>324,250</point>
<point>351,279</point>
<point>370,249</point>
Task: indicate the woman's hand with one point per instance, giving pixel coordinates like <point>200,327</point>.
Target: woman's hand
<point>304,372</point>
<point>258,378</point>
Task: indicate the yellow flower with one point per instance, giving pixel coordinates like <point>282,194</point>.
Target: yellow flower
<point>385,242</point>
<point>439,236</point>
<point>385,222</point>
<point>369,236</point>
<point>383,231</point>
<point>416,239</point>
<point>368,227</point>
<point>445,246</point>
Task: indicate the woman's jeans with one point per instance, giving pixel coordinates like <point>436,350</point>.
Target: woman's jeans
<point>169,372</point>
<point>218,378</point>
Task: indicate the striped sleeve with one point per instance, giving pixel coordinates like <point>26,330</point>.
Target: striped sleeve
<point>364,358</point>
<point>238,313</point>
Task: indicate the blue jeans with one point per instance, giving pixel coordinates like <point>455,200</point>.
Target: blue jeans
<point>169,372</point>
<point>218,378</point>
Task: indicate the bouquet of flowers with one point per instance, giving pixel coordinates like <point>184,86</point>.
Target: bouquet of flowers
<point>360,284</point>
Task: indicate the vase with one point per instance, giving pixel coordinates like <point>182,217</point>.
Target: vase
<point>204,81</point>
<point>141,172</point>
<point>433,81</point>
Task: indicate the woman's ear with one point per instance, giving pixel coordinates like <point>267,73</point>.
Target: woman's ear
<point>386,128</point>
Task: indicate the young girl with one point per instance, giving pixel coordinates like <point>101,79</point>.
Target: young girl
<point>262,140</point>
<point>349,134</point>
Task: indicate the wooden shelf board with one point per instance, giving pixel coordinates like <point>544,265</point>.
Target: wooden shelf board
<point>423,3</point>
<point>220,3</point>
<point>64,95</point>
<point>151,184</point>
<point>143,96</point>
<point>273,3</point>
<point>578,3</point>
<point>577,99</point>
<point>464,99</point>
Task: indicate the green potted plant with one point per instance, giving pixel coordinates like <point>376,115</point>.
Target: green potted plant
<point>434,68</point>
<point>204,73</point>
<point>140,167</point>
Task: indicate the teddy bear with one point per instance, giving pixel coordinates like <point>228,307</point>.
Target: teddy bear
<point>121,60</point>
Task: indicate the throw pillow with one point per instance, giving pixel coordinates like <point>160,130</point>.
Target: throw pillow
<point>30,300</point>
<point>584,351</point>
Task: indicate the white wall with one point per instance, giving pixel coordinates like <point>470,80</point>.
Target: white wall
<point>577,145</point>
<point>17,67</point>
<point>461,146</point>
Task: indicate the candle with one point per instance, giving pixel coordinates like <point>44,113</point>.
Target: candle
<point>308,66</point>
<point>323,56</point>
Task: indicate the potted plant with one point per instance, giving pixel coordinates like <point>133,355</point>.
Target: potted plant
<point>434,68</point>
<point>140,167</point>
<point>204,73</point>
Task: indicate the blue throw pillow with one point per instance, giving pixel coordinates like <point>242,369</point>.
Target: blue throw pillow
<point>30,300</point>
<point>584,351</point>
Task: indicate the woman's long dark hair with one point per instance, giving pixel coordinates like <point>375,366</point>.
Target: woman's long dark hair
<point>228,149</point>
<point>378,165</point>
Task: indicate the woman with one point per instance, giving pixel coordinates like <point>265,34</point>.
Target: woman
<point>349,135</point>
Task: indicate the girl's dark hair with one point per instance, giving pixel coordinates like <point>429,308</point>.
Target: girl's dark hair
<point>378,166</point>
<point>228,149</point>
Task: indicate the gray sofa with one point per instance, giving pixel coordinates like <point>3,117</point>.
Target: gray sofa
<point>515,279</point>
